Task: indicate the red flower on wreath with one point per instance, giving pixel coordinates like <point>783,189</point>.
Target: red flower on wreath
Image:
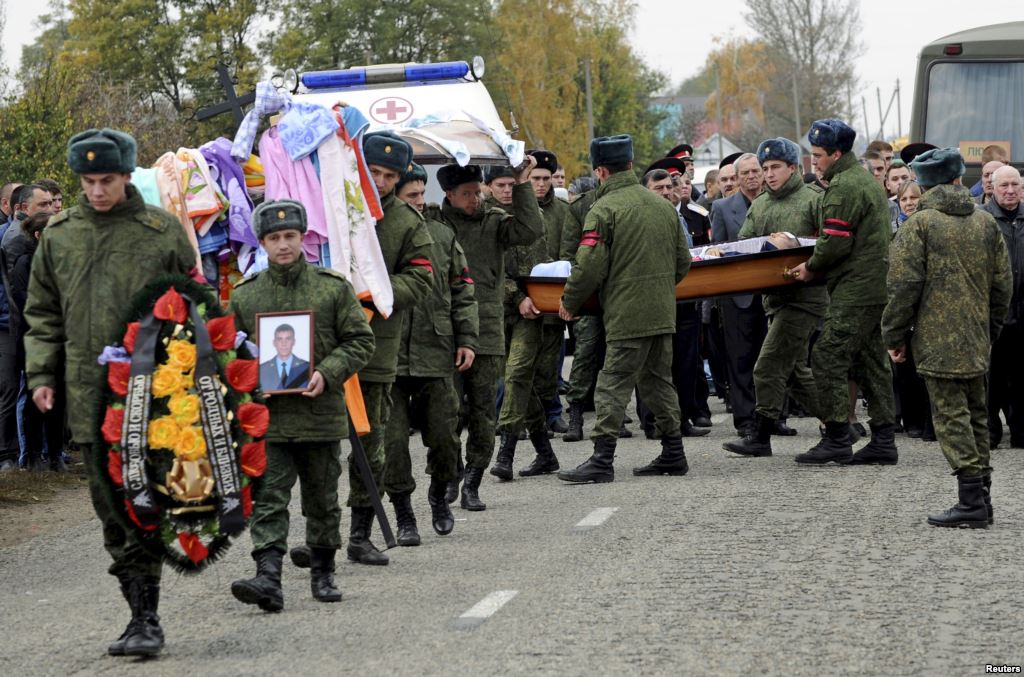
<point>114,467</point>
<point>247,500</point>
<point>193,547</point>
<point>222,332</point>
<point>243,375</point>
<point>129,336</point>
<point>254,458</point>
<point>112,422</point>
<point>171,306</point>
<point>254,418</point>
<point>118,375</point>
<point>135,518</point>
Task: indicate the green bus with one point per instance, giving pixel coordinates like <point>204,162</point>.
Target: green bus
<point>969,93</point>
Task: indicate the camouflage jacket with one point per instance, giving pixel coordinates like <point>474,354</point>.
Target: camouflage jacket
<point>949,281</point>
<point>342,343</point>
<point>794,208</point>
<point>853,242</point>
<point>632,254</point>
<point>485,236</point>
<point>405,244</point>
<point>446,319</point>
<point>573,232</point>
<point>87,269</point>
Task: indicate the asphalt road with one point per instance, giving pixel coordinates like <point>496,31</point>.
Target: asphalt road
<point>744,566</point>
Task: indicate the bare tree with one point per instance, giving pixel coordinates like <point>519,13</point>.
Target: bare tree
<point>815,44</point>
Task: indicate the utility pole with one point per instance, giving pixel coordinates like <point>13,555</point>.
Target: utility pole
<point>881,117</point>
<point>899,111</point>
<point>864,107</point>
<point>718,107</point>
<point>590,100</point>
<point>796,111</point>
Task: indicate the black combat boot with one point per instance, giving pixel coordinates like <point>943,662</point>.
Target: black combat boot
<point>757,441</point>
<point>300,556</point>
<point>502,468</point>
<point>575,432</point>
<point>987,484</point>
<point>971,512</point>
<point>441,517</point>
<point>360,549</point>
<point>321,575</point>
<point>836,446</point>
<point>264,590</point>
<point>624,432</point>
<point>451,492</point>
<point>117,647</point>
<point>881,450</point>
<point>671,460</point>
<point>470,490</point>
<point>545,461</point>
<point>600,467</point>
<point>145,636</point>
<point>405,519</point>
<point>558,425</point>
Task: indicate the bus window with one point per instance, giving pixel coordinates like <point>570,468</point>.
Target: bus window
<point>981,101</point>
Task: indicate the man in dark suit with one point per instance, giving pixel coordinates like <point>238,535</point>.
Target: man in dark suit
<point>286,371</point>
<point>743,320</point>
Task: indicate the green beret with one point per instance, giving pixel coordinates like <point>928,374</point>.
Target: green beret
<point>278,215</point>
<point>387,149</point>
<point>611,150</point>
<point>102,151</point>
<point>452,176</point>
<point>545,160</point>
<point>497,172</point>
<point>938,166</point>
<point>415,173</point>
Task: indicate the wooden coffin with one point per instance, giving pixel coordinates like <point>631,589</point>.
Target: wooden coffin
<point>726,276</point>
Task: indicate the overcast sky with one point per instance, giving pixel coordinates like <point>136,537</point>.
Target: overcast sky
<point>675,37</point>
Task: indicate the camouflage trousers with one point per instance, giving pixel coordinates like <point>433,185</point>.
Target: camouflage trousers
<point>960,415</point>
<point>431,405</point>
<point>480,385</point>
<point>782,363</point>
<point>531,375</point>
<point>377,398</point>
<point>646,364</point>
<point>850,348</point>
<point>317,466</point>
<point>121,541</point>
<point>586,360</point>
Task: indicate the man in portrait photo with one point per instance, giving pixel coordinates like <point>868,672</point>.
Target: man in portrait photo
<point>286,371</point>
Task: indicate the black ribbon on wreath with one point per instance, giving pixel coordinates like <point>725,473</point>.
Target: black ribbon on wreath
<point>135,430</point>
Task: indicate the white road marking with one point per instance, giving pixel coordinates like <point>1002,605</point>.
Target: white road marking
<point>484,609</point>
<point>596,518</point>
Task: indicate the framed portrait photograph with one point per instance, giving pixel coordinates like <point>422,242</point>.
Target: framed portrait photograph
<point>285,341</point>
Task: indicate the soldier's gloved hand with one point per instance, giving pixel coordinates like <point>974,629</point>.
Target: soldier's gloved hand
<point>464,358</point>
<point>43,398</point>
<point>316,385</point>
<point>528,310</point>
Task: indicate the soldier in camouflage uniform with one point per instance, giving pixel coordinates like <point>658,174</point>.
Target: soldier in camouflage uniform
<point>531,378</point>
<point>405,244</point>
<point>92,259</point>
<point>852,253</point>
<point>632,254</point>
<point>786,206</point>
<point>439,337</point>
<point>303,440</point>
<point>950,280</point>
<point>485,234</point>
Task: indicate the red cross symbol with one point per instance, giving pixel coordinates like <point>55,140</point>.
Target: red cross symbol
<point>391,110</point>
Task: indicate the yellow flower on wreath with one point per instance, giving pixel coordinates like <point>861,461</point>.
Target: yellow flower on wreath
<point>167,380</point>
<point>164,433</point>
<point>182,355</point>
<point>184,407</point>
<point>191,444</point>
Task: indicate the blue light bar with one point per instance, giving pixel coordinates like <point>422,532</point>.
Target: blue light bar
<point>332,79</point>
<point>436,71</point>
<point>413,72</point>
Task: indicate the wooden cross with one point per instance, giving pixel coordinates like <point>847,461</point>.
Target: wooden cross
<point>234,103</point>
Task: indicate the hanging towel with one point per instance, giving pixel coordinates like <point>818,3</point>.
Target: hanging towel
<point>144,178</point>
<point>287,180</point>
<point>304,127</point>
<point>172,200</point>
<point>231,180</point>
<point>268,100</point>
<point>198,189</point>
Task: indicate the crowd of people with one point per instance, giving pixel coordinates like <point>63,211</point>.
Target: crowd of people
<point>920,280</point>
